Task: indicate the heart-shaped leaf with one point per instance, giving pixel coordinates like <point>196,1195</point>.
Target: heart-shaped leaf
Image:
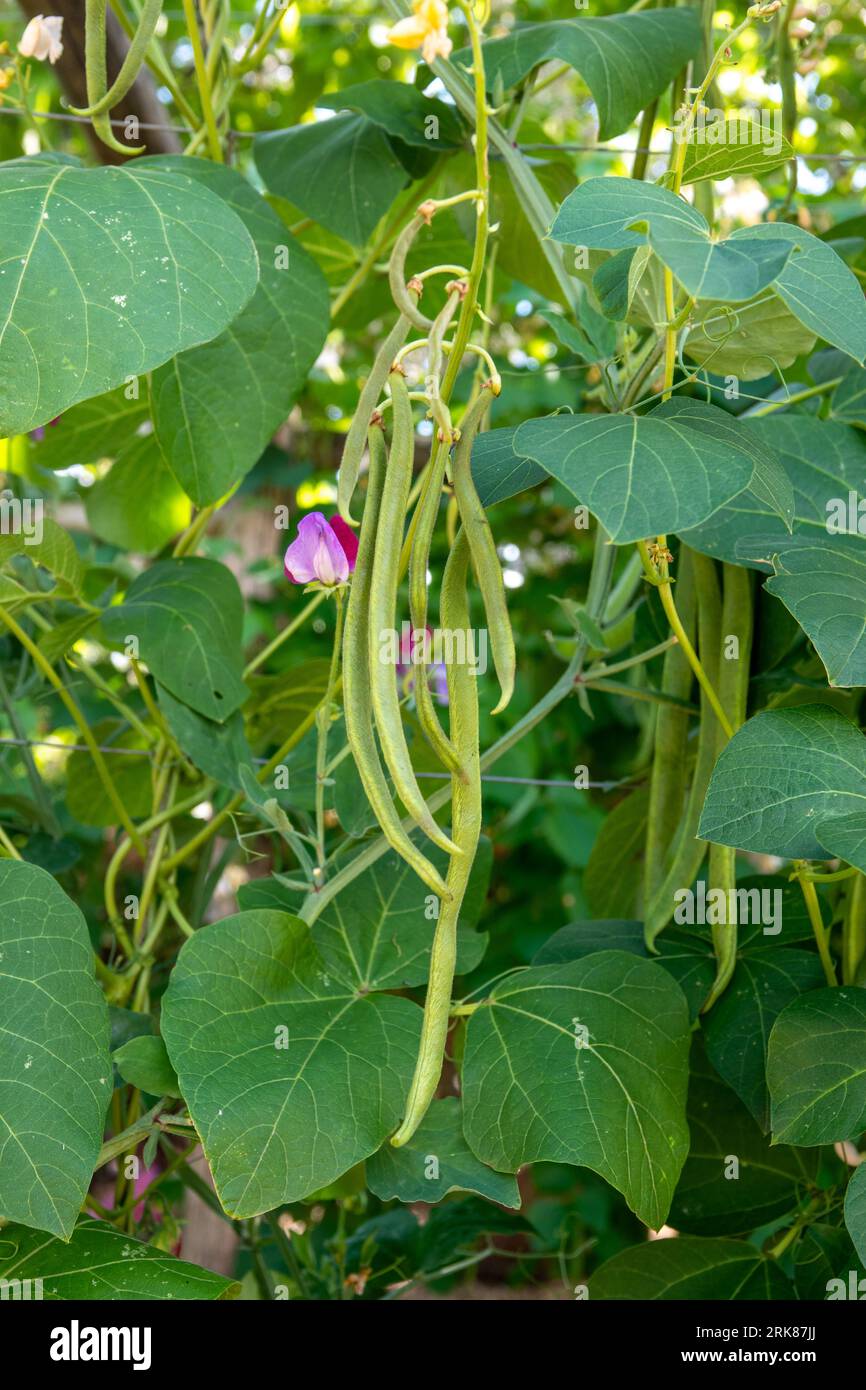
<point>215,407</point>
<point>781,776</point>
<point>734,147</point>
<point>104,275</point>
<point>291,1077</point>
<point>691,1268</point>
<point>55,1075</point>
<point>187,616</point>
<point>556,1047</point>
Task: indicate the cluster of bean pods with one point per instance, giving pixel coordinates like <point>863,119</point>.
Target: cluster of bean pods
<point>100,97</point>
<point>370,691</point>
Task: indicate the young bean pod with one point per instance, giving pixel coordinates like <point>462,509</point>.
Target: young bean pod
<point>733,688</point>
<point>357,703</point>
<point>131,65</point>
<point>687,851</point>
<point>96,74</point>
<point>405,295</point>
<point>383,605</point>
<point>482,548</point>
<point>669,769</point>
<point>466,823</point>
<point>353,449</point>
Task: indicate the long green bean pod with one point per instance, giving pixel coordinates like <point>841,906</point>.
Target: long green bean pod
<point>687,851</point>
<point>356,439</point>
<point>131,65</point>
<point>669,769</point>
<point>466,823</point>
<point>357,702</point>
<point>854,932</point>
<point>383,606</point>
<point>438,409</point>
<point>96,73</point>
<point>482,548</point>
<point>733,689</point>
<point>405,295</point>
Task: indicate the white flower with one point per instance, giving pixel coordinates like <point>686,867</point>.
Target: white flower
<point>41,38</point>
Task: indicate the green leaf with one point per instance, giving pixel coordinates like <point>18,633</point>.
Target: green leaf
<point>109,272</point>
<point>216,406</point>
<point>103,1265</point>
<point>217,750</point>
<point>823,460</point>
<point>607,214</point>
<point>782,774</point>
<point>817,286</point>
<point>844,837</point>
<point>715,1199</point>
<point>437,1160</point>
<point>647,475</point>
<point>625,60</point>
<point>497,471</point>
<point>824,1260</point>
<point>848,402</point>
<point>612,880</point>
<point>54,551</point>
<point>55,1080</point>
<point>855,1211</point>
<point>379,934</point>
<point>291,1078</point>
<point>816,1068</point>
<point>187,615</point>
<point>342,172</point>
<point>737,1029</point>
<point>143,1062</point>
<point>822,582</point>
<point>733,148</point>
<point>86,797</point>
<point>691,1268</point>
<point>530,1093</point>
<point>402,111</point>
<point>749,340</point>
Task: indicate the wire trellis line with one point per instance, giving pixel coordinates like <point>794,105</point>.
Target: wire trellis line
<point>260,762</point>
<point>613,150</point>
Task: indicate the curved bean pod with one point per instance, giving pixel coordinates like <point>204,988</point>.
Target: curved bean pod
<point>466,822</point>
<point>383,606</point>
<point>482,548</point>
<point>131,65</point>
<point>97,75</point>
<point>404,297</point>
<point>353,448</point>
<point>357,704</point>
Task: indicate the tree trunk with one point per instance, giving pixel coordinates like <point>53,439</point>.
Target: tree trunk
<point>141,99</point>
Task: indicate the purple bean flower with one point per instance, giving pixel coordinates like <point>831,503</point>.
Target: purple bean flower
<point>324,552</point>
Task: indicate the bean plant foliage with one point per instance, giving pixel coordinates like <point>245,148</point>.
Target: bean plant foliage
<point>433,607</point>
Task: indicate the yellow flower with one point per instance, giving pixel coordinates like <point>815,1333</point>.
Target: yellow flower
<point>6,76</point>
<point>426,28</point>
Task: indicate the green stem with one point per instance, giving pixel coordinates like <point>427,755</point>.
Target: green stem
<point>283,636</point>
<point>813,907</point>
<point>204,89</point>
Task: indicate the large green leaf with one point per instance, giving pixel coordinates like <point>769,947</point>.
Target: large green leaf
<point>55,1072</point>
<point>101,1264</point>
<point>291,1077</point>
<point>437,1160</point>
<point>816,1067</point>
<point>497,471</point>
<point>737,1029</point>
<point>747,340</point>
<point>55,552</point>
<point>647,475</point>
<point>105,274</point>
<point>691,1267</point>
<point>625,60</point>
<point>716,1198</point>
<point>187,616</point>
<point>615,214</point>
<point>733,147</point>
<point>216,406</point>
<point>848,402</point>
<point>780,777</point>
<point>219,750</point>
<point>615,1104</point>
<point>855,1211</point>
<point>824,1262</point>
<point>822,582</point>
<point>380,934</point>
<point>341,172</point>
<point>612,881</point>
